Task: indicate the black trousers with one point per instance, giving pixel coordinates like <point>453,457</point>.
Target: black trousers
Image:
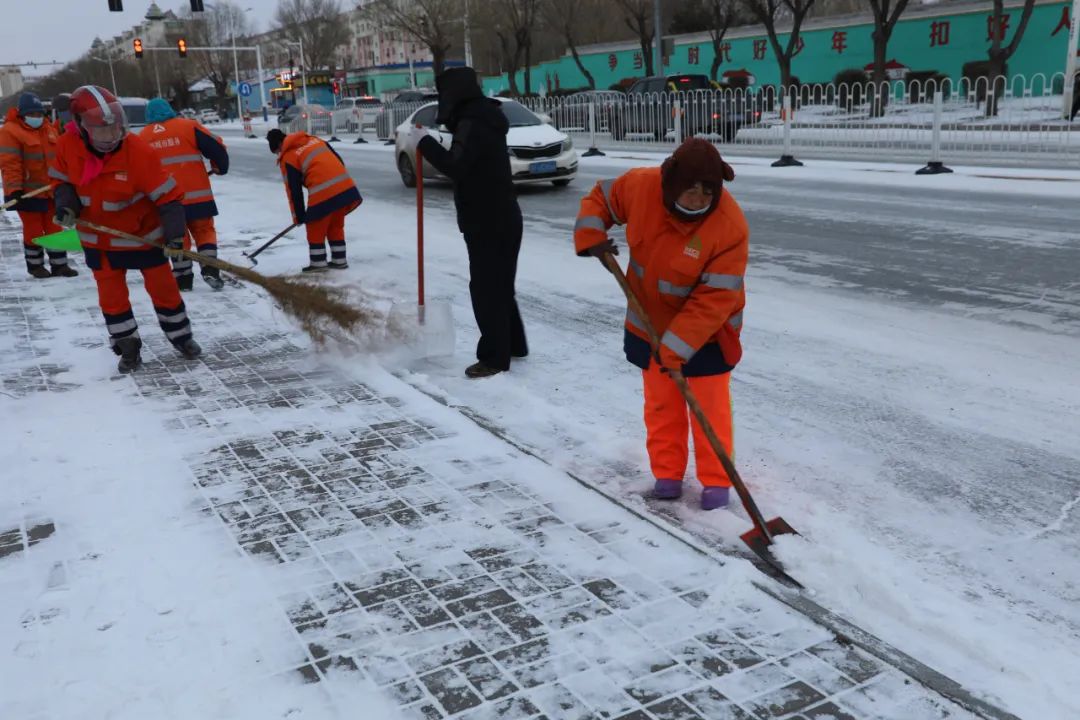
<point>493,256</point>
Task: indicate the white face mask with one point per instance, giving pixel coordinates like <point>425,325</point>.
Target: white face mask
<point>692,213</point>
<point>35,122</point>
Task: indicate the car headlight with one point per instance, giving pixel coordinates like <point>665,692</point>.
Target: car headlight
<point>567,145</point>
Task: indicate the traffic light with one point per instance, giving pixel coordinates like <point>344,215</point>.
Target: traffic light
<point>181,47</point>
<point>116,5</point>
<point>196,5</point>
<point>138,48</point>
<point>335,88</point>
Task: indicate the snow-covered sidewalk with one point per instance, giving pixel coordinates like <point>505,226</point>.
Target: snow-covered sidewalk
<point>273,532</point>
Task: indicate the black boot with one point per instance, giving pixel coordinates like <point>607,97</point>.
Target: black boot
<point>212,277</point>
<point>189,349</point>
<point>128,349</point>
<point>38,271</point>
<point>186,282</point>
<point>480,370</point>
<point>64,271</point>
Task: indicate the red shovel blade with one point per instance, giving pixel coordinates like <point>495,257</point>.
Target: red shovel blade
<point>759,543</point>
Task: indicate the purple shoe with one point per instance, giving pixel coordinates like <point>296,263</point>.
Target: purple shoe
<point>667,489</point>
<point>714,497</point>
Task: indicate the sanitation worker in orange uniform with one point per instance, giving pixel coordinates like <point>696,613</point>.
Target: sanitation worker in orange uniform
<point>309,162</point>
<point>27,145</point>
<point>688,249</point>
<point>113,179</point>
<point>182,145</point>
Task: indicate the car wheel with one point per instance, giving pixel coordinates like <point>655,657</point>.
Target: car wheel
<point>560,183</point>
<point>406,170</point>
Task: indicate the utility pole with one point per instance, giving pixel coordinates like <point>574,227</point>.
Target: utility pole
<point>1070,60</point>
<point>658,38</point>
<point>112,74</point>
<point>468,37</point>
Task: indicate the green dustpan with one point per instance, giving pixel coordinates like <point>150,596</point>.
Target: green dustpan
<point>67,240</point>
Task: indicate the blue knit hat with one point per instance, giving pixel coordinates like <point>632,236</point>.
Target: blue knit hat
<point>158,110</point>
<point>29,103</point>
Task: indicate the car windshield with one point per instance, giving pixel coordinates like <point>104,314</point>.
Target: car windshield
<point>136,114</point>
<point>519,115</point>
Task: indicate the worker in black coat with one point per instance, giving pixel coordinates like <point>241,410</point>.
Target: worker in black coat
<point>487,212</point>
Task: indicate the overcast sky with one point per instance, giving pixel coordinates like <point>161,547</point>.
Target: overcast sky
<point>44,30</point>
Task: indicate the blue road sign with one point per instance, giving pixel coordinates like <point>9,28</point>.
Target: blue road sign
<point>245,89</point>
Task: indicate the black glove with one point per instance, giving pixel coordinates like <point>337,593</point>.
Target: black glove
<point>598,251</point>
<point>301,217</point>
<point>65,217</point>
<point>16,196</point>
<point>174,247</point>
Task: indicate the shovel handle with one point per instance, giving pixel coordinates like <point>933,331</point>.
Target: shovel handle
<point>32,193</point>
<point>691,400</point>
<point>269,242</point>
<point>420,227</point>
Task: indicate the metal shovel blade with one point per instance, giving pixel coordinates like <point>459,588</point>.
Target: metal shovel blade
<point>759,543</point>
<point>428,329</point>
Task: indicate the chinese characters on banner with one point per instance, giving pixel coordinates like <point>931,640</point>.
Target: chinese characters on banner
<point>839,41</point>
<point>638,62</point>
<point>1063,23</point>
<point>997,26</point>
<point>724,52</point>
<point>693,54</point>
<point>799,46</point>
<point>939,34</point>
<point>759,49</point>
<point>612,61</point>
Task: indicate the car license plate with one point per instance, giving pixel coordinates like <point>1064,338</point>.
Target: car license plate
<point>542,168</point>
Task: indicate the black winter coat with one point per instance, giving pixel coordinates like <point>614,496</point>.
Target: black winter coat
<point>478,164</point>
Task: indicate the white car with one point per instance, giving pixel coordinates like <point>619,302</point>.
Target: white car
<point>134,111</point>
<point>207,115</point>
<point>354,114</point>
<point>538,152</point>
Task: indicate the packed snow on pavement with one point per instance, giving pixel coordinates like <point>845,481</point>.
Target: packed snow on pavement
<point>927,455</point>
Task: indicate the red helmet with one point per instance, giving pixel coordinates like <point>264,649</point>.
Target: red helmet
<point>100,117</point>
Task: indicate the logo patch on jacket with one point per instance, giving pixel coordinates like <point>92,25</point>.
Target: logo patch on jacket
<point>159,128</point>
<point>693,248</point>
<point>121,176</point>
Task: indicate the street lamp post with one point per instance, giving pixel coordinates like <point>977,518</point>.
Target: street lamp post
<point>303,69</point>
<point>112,74</point>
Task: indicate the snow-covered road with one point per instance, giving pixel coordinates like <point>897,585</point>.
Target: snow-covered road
<point>908,399</point>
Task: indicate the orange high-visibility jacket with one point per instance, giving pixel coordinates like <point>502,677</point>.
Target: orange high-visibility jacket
<point>308,162</point>
<point>124,193</point>
<point>688,276</point>
<point>25,154</point>
<point>182,144</point>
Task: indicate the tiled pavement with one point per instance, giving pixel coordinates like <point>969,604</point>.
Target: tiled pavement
<point>461,578</point>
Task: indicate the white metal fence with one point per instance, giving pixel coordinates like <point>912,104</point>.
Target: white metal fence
<point>1014,122</point>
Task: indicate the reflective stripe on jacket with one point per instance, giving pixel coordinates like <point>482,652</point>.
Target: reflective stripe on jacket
<point>25,154</point>
<point>688,276</point>
<point>182,144</point>
<point>124,195</point>
<point>308,162</point>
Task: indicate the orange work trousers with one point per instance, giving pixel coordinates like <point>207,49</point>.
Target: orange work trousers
<point>668,423</point>
<point>36,224</point>
<point>330,228</point>
<point>202,234</point>
<point>113,290</point>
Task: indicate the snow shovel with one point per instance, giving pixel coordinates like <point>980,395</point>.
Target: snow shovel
<point>761,537</point>
<point>267,244</point>
<point>32,193</point>
<point>64,241</point>
<point>433,327</point>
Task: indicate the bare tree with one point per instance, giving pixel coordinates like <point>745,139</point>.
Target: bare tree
<point>999,56</point>
<point>430,22</point>
<point>886,14</point>
<point>564,18</point>
<point>515,23</point>
<point>319,24</point>
<point>722,14</point>
<point>215,27</point>
<point>767,12</point>
<point>638,17</point>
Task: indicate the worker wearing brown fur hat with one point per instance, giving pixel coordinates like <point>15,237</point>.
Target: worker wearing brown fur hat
<point>688,249</point>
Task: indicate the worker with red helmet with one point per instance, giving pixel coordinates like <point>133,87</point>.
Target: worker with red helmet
<point>105,176</point>
<point>27,144</point>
